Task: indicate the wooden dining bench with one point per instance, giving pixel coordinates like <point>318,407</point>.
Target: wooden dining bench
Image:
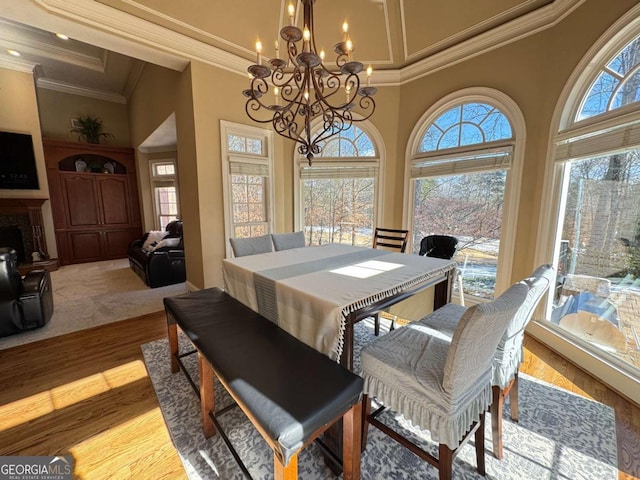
<point>289,391</point>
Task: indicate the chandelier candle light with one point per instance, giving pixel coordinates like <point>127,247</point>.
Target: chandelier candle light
<point>305,90</point>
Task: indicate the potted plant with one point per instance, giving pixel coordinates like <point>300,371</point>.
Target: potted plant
<point>90,129</point>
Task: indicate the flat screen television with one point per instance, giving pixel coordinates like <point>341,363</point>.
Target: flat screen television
<point>17,162</point>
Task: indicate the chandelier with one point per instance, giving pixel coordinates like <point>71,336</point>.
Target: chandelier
<point>305,90</point>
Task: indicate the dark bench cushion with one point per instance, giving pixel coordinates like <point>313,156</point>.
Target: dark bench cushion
<point>290,389</point>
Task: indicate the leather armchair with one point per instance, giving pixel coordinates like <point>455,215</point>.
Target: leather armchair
<point>163,266</point>
<point>25,303</point>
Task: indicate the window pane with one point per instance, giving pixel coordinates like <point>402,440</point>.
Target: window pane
<point>166,204</point>
<point>468,207</point>
<point>598,294</point>
<point>339,210</point>
<point>469,124</point>
<point>236,143</point>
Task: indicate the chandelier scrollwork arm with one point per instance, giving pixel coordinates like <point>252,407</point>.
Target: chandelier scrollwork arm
<point>305,90</point>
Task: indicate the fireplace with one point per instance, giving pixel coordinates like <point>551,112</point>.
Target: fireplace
<point>19,219</point>
<point>12,237</point>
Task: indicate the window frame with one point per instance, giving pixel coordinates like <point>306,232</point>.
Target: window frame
<point>513,182</point>
<point>564,127</point>
<point>377,161</point>
<point>156,181</point>
<point>266,159</point>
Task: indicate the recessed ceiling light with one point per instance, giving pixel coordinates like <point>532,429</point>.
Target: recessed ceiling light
<point>62,36</point>
<point>15,53</point>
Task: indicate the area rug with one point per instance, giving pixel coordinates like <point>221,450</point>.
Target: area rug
<point>560,435</point>
<point>91,294</point>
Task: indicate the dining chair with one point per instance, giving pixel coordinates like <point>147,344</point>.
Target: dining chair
<point>251,245</point>
<point>390,238</point>
<point>440,384</point>
<point>509,354</point>
<point>286,241</point>
<point>436,246</point>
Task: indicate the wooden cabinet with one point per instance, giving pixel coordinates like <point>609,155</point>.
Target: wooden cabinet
<point>96,212</point>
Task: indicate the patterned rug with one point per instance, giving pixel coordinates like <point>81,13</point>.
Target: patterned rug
<point>560,435</point>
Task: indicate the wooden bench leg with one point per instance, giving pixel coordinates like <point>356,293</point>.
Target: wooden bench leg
<point>207,397</point>
<point>172,333</point>
<point>351,442</point>
<point>282,472</point>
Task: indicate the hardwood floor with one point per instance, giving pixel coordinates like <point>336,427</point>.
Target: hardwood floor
<point>88,394</point>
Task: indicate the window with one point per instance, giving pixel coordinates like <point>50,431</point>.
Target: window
<point>596,243</point>
<point>337,193</point>
<point>460,170</point>
<point>247,169</point>
<point>165,194</point>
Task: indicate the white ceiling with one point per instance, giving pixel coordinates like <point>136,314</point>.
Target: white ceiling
<point>402,39</point>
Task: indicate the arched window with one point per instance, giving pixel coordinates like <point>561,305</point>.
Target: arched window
<point>460,167</point>
<point>337,194</point>
<point>593,217</point>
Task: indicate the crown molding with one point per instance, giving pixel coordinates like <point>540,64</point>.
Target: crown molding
<point>63,87</point>
<point>140,31</point>
<point>12,63</point>
<point>517,29</point>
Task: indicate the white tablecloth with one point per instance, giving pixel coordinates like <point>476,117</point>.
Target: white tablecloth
<point>310,291</point>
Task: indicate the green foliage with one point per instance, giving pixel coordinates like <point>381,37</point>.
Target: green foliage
<point>90,129</point>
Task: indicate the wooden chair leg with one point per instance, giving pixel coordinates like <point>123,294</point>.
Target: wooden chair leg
<point>513,398</point>
<point>479,437</point>
<point>288,472</point>
<point>207,396</point>
<point>496,421</point>
<point>172,333</point>
<point>445,462</point>
<point>366,411</point>
<point>351,442</point>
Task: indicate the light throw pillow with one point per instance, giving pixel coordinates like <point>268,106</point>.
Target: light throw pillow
<point>153,238</point>
<point>167,242</point>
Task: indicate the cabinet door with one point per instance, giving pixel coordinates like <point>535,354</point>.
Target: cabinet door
<point>81,201</point>
<point>85,246</point>
<point>114,200</point>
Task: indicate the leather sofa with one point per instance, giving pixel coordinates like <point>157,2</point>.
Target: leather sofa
<point>163,265</point>
<point>25,303</point>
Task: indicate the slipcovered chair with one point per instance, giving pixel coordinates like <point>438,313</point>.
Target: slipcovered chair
<point>509,354</point>
<point>442,385</point>
<point>25,303</point>
<point>286,241</point>
<point>251,246</point>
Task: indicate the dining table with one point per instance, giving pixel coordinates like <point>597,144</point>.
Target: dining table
<point>318,294</point>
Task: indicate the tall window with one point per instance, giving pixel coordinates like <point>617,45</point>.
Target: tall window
<point>165,194</point>
<point>337,193</point>
<point>597,240</point>
<point>459,173</point>
<point>247,180</point>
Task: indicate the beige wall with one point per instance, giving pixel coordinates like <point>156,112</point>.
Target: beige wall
<point>19,114</point>
<point>57,109</point>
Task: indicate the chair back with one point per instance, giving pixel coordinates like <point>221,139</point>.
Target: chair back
<point>286,241</point>
<point>438,246</point>
<point>475,340</point>
<point>390,238</point>
<point>509,352</point>
<point>251,246</point>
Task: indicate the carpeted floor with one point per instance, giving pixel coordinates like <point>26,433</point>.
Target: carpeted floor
<point>90,294</point>
<point>560,435</point>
